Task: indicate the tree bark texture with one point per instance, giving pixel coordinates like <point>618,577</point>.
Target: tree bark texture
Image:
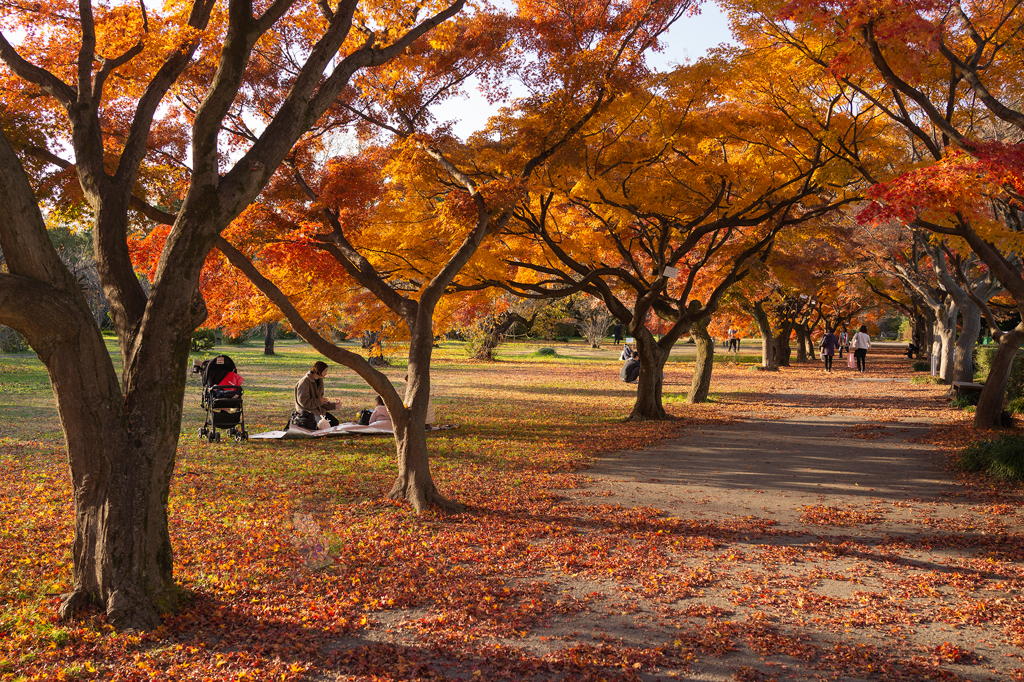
<point>769,359</point>
<point>270,337</point>
<point>652,357</point>
<point>701,383</point>
<point>990,403</point>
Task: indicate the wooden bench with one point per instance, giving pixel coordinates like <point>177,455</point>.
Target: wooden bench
<point>967,387</point>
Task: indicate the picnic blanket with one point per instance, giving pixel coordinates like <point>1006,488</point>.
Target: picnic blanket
<point>348,428</point>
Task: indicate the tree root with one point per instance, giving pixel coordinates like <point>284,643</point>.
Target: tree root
<point>420,499</point>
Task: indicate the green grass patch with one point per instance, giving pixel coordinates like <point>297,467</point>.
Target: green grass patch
<point>1001,458</point>
<point>926,380</point>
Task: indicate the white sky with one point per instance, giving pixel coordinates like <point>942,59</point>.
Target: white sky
<point>689,39</point>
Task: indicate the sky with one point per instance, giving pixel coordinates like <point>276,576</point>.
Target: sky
<point>688,40</point>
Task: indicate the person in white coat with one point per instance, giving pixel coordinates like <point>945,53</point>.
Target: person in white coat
<point>861,343</point>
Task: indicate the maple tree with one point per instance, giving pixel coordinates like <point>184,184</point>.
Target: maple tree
<point>669,199</point>
<point>945,74</point>
<point>104,77</point>
<point>434,207</point>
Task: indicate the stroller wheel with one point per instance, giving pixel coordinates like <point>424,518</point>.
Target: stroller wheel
<point>203,431</point>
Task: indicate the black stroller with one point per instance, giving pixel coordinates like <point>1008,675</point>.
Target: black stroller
<point>222,401</point>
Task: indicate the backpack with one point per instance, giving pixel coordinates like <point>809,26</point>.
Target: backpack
<point>363,417</point>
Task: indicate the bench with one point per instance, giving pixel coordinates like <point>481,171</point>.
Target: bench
<point>967,387</point>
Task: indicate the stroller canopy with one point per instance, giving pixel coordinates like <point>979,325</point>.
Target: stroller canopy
<point>215,369</point>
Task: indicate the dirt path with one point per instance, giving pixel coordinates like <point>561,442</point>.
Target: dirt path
<point>876,562</point>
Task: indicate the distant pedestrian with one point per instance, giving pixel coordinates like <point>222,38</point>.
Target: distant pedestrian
<point>617,332</point>
<point>829,343</point>
<point>861,344</point>
<point>844,342</point>
<point>733,345</point>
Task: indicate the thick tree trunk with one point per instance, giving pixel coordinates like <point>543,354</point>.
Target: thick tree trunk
<point>648,403</point>
<point>802,343</point>
<point>769,360</point>
<point>121,453</point>
<point>990,403</point>
<point>701,383</point>
<point>270,337</point>
<point>963,352</point>
<point>782,348</point>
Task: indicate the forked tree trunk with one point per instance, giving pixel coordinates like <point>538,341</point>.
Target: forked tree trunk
<point>701,383</point>
<point>783,351</point>
<point>121,454</point>
<point>990,403</point>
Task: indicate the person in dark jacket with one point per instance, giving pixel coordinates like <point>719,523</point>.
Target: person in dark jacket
<point>310,405</point>
<point>829,343</point>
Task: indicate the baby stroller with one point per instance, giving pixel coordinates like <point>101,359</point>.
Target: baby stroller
<point>222,399</point>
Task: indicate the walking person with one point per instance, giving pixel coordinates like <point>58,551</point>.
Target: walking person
<point>732,339</point>
<point>829,342</point>
<point>861,344</point>
<point>617,332</point>
<point>844,342</point>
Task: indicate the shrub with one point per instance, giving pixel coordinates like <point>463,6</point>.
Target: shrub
<point>11,341</point>
<point>921,366</point>
<point>1015,406</point>
<point>550,352</point>
<point>1001,458</point>
<point>203,339</point>
<point>964,401</point>
<point>926,380</point>
<point>983,357</point>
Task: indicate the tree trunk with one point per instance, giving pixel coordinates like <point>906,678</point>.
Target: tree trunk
<point>271,336</point>
<point>782,348</point>
<point>414,482</point>
<point>990,403</point>
<point>121,454</point>
<point>648,403</point>
<point>947,347</point>
<point>802,343</point>
<point>701,383</point>
<point>963,352</point>
<point>769,359</point>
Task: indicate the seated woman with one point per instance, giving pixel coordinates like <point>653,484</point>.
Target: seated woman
<point>310,404</point>
<point>380,417</point>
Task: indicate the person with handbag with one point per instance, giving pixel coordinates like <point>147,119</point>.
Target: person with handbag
<point>828,345</point>
<point>861,343</point>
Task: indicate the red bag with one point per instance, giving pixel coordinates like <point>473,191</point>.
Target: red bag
<point>231,379</point>
<point>851,361</point>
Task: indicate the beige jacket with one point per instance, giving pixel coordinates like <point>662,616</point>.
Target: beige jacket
<point>309,395</point>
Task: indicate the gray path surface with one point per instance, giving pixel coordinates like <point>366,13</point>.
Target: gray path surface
<point>883,595</point>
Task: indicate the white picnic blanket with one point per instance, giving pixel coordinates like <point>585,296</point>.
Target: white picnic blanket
<point>339,430</point>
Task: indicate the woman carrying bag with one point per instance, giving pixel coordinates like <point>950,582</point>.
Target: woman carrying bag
<point>861,344</point>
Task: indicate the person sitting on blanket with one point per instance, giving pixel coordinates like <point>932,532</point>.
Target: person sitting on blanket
<point>380,417</point>
<point>310,405</point>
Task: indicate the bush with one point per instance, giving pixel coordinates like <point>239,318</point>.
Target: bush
<point>983,357</point>
<point>1015,406</point>
<point>921,366</point>
<point>203,339</point>
<point>1001,458</point>
<point>549,352</point>
<point>926,380</point>
<point>11,341</point>
<point>962,402</point>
